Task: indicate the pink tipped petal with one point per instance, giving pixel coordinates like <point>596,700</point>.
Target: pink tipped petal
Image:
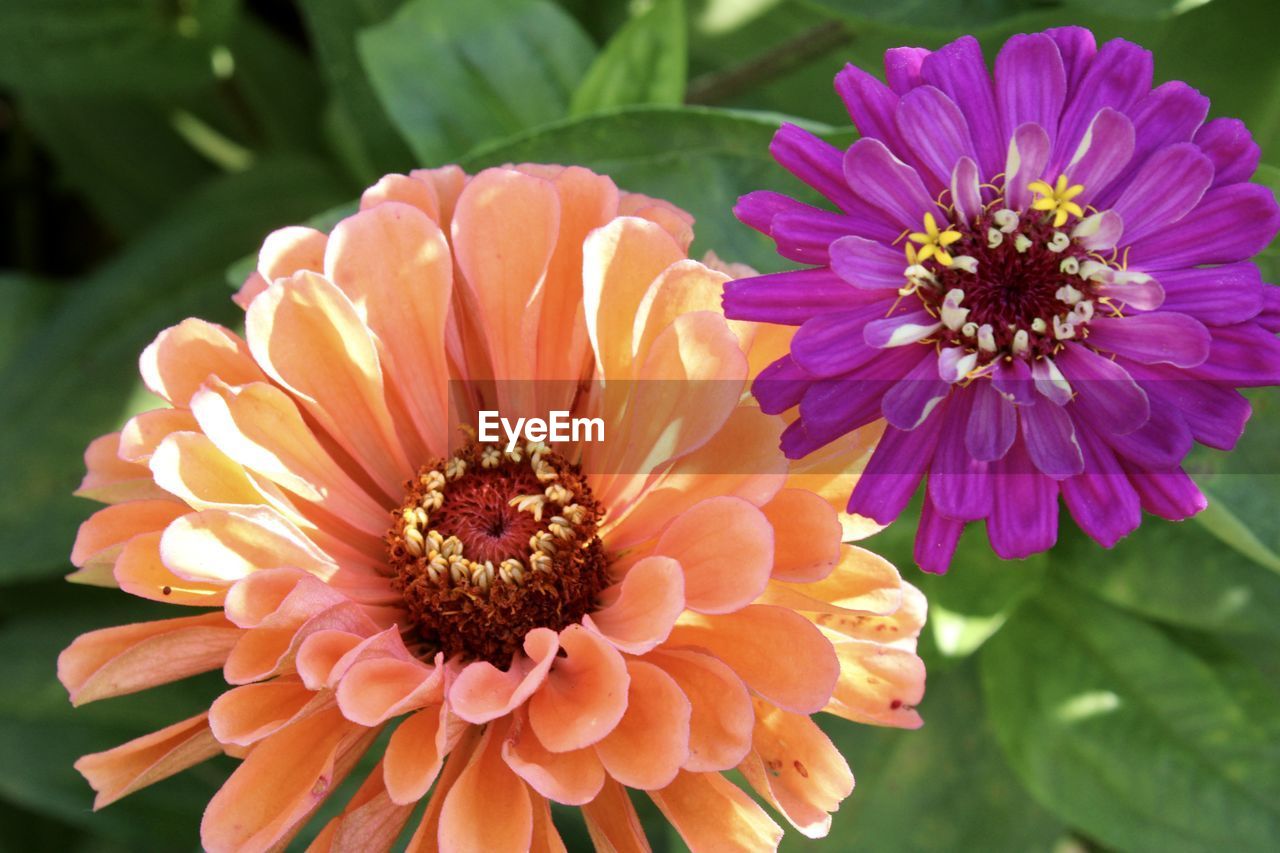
<point>1160,338</point>
<point>1050,382</point>
<point>1103,153</point>
<point>482,692</point>
<point>182,357</point>
<point>290,249</point>
<point>1116,77</point>
<point>1099,232</point>
<point>965,190</point>
<point>643,607</point>
<point>725,547</point>
<point>584,696</point>
<point>651,741</point>
<point>1026,161</point>
<point>900,330</point>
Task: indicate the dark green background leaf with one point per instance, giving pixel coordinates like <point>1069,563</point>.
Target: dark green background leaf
<point>645,63</point>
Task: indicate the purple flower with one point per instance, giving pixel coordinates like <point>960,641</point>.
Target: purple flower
<point>1040,278</point>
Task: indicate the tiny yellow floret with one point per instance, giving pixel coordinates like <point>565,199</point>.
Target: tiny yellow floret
<point>933,242</point>
<point>1057,199</point>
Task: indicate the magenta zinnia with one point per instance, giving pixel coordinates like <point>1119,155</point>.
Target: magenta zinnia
<point>1040,278</point>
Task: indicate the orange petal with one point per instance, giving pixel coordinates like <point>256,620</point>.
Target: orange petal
<point>103,535</point>
<point>447,182</point>
<point>427,836</point>
<point>370,821</point>
<point>861,584</point>
<point>109,479</point>
<point>393,262</point>
<point>620,262</point>
<point>651,742</point>
<point>482,692</point>
<point>182,357</point>
<point>613,823</point>
<point>320,652</point>
<point>797,769</point>
<point>245,715</point>
<point>898,629</point>
<point>143,432</point>
<point>682,288</point>
<point>777,652</point>
<point>673,220</point>
<point>488,808</point>
<point>405,190</point>
<point>832,472</point>
<point>721,716</point>
<point>306,333</point>
<point>279,783</point>
<point>725,546</point>
<point>218,545</point>
<point>504,285</point>
<point>742,459</point>
<point>374,691</point>
<point>253,286</point>
<point>806,535</point>
<point>545,838</point>
<point>417,750</point>
<point>127,658</point>
<point>571,778</point>
<point>643,607</point>
<point>260,427</point>
<point>585,693</point>
<point>139,571</point>
<point>190,466</point>
<point>290,249</point>
<point>146,760</point>
<point>878,685</point>
<point>711,813</point>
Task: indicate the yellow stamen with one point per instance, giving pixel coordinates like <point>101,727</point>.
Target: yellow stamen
<point>933,242</point>
<point>1057,199</point>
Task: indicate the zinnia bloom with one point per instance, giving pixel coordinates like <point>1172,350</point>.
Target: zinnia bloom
<point>533,623</point>
<point>1040,278</point>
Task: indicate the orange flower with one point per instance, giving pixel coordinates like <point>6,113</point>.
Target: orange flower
<point>538,623</point>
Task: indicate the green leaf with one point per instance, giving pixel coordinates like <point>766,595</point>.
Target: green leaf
<point>359,129</point>
<point>1125,734</point>
<point>455,75</point>
<point>74,379</point>
<point>110,46</point>
<point>646,62</point>
<point>974,14</point>
<point>701,159</point>
<point>944,787</point>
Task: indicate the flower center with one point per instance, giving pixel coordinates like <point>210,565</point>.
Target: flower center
<point>1011,283</point>
<point>489,545</point>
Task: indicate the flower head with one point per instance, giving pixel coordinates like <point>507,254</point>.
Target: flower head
<point>1040,278</point>
<point>534,621</point>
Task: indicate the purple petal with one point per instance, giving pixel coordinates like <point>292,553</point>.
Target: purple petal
<point>797,443</point>
<point>966,190</point>
<point>1106,395</point>
<point>1119,74</point>
<point>1099,232</point>
<point>1161,443</point>
<point>1050,382</point>
<point>1167,187</point>
<point>1024,519</point>
<point>790,298</point>
<point>1101,500</point>
<point>900,329</point>
<point>757,209</point>
<point>812,160</point>
<point>1103,153</point>
<point>1245,355</point>
<point>1269,317</point>
<point>868,264</point>
<point>959,70</point>
<point>832,407</point>
<point>885,182</point>
<point>780,386</point>
<point>1160,337</point>
<point>993,424</point>
<point>1138,291</point>
<point>894,470</point>
<point>1231,223</point>
<point>914,397</point>
<point>1228,143</point>
<point>1012,378</point>
<point>959,485</point>
<point>871,105</point>
<point>902,67</point>
<point>955,363</point>
<point>1168,494</point>
<point>1050,437</point>
<point>935,132</point>
<point>1031,82</point>
<point>805,234</point>
<point>1078,48</point>
<point>1028,155</point>
<point>832,344</point>
<point>1168,114</point>
<point>1215,414</point>
<point>936,539</point>
<point>1219,296</point>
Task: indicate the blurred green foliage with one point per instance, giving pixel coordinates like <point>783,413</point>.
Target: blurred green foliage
<point>1081,700</point>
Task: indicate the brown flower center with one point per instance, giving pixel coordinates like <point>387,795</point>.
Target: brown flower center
<point>489,545</point>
